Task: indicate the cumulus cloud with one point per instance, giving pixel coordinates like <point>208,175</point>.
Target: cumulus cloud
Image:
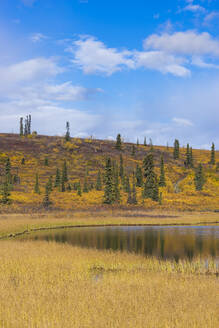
<point>194,8</point>
<point>32,69</point>
<point>30,87</point>
<point>161,61</point>
<point>92,56</point>
<point>168,53</point>
<point>184,43</point>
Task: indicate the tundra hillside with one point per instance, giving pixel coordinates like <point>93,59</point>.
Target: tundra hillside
<point>74,174</point>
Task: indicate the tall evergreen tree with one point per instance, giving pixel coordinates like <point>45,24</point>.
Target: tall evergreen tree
<point>36,187</point>
<point>151,187</point>
<point>133,150</point>
<point>67,135</point>
<point>162,180</point>
<point>79,189</point>
<point>118,142</point>
<point>132,199</point>
<point>62,182</point>
<point>29,124</point>
<point>137,143</point>
<point>21,127</point>
<point>126,186</point>
<point>8,171</point>
<point>148,164</point>
<point>138,176</point>
<point>121,168</point>
<point>98,181</point>
<point>115,185</point>
<point>191,157</point>
<point>108,180</point>
<point>57,178</point>
<point>85,186</point>
<point>65,172</point>
<point>5,193</point>
<point>151,145</point>
<point>199,177</point>
<point>145,141</point>
<point>23,161</point>
<point>46,200</point>
<point>187,163</point>
<point>46,161</point>
<point>176,149</point>
<point>212,161</point>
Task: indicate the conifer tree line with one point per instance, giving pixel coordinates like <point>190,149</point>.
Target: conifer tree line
<point>25,126</point>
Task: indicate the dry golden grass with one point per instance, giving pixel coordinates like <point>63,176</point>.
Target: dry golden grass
<point>56,285</point>
<point>17,223</point>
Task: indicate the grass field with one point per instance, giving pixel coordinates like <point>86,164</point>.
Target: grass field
<point>52,285</point>
<point>87,157</point>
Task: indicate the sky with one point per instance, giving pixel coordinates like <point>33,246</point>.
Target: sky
<point>139,68</point>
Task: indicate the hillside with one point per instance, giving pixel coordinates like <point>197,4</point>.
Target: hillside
<point>88,155</point>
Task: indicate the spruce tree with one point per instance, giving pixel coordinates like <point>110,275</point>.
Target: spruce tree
<point>68,187</point>
<point>148,164</point>
<point>212,161</point>
<point>64,172</point>
<point>162,180</point>
<point>127,184</point>
<point>199,178</point>
<point>67,135</point>
<point>151,187</point>
<point>121,168</point>
<point>145,141</point>
<point>57,178</point>
<point>115,185</point>
<point>108,182</point>
<point>132,199</point>
<point>26,127</point>
<point>46,200</point>
<point>29,124</point>
<point>138,176</point>
<point>176,149</point>
<point>23,161</point>
<point>85,186</point>
<point>151,145</point>
<point>79,189</point>
<point>187,156</point>
<point>5,193</point>
<point>98,181</point>
<point>21,127</point>
<point>8,171</point>
<point>191,157</point>
<point>62,182</point>
<point>118,142</point>
<point>36,187</point>
<point>133,150</point>
<point>46,161</point>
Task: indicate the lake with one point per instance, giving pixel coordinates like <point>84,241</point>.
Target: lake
<point>165,242</point>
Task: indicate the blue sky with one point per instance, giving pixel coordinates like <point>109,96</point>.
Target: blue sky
<point>141,68</point>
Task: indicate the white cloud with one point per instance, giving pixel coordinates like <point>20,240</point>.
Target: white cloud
<point>163,62</point>
<point>214,15</point>
<point>199,62</point>
<point>194,8</point>
<point>37,37</point>
<point>30,87</point>
<point>92,56</point>
<point>184,43</point>
<point>37,68</point>
<point>182,121</point>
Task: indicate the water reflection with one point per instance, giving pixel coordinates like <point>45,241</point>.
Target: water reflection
<point>163,242</point>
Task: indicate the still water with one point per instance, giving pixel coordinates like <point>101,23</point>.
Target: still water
<point>166,242</point>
